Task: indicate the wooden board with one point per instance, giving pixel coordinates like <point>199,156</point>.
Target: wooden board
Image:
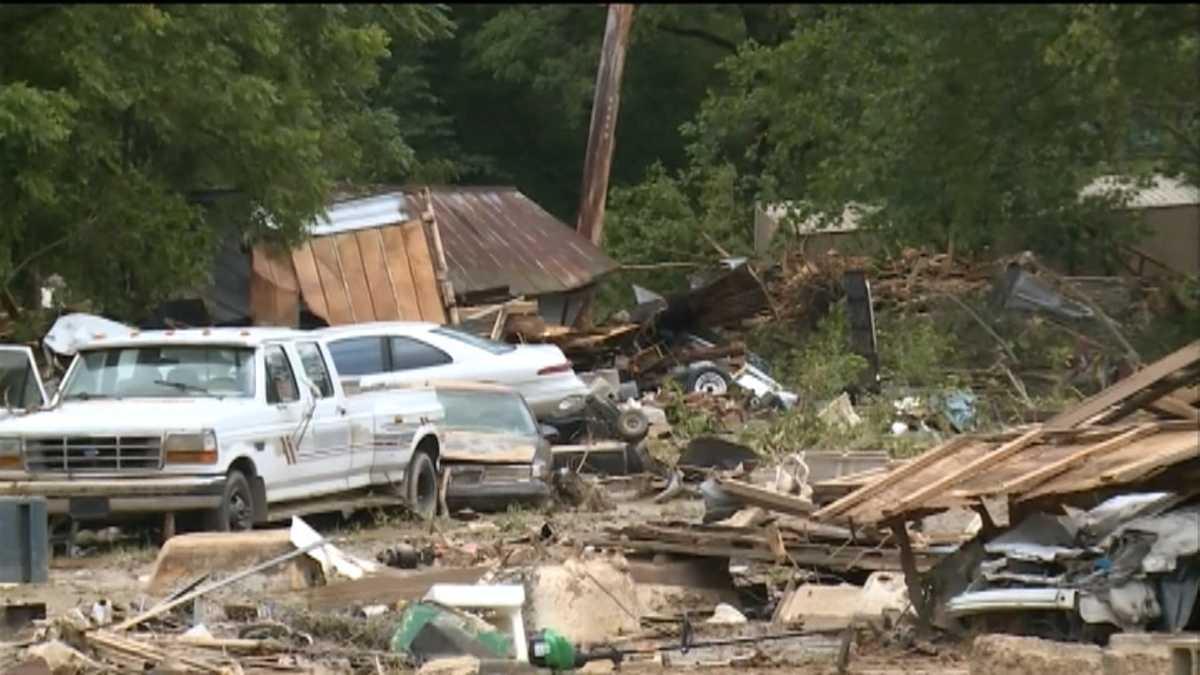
<point>309,280</point>
<point>1146,456</point>
<point>424,277</point>
<point>355,277</point>
<point>403,287</point>
<point>337,296</point>
<point>387,588</point>
<point>982,463</point>
<point>1127,387</point>
<point>274,291</point>
<point>374,262</point>
<point>756,496</point>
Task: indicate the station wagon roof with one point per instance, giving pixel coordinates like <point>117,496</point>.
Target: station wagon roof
<point>375,328</point>
<point>239,337</point>
<point>444,385</point>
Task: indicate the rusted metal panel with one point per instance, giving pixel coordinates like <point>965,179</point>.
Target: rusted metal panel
<point>496,237</point>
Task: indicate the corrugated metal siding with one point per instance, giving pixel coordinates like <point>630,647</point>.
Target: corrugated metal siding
<point>496,236</point>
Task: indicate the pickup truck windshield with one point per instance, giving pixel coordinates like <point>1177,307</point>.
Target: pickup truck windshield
<point>162,372</point>
<point>486,411</point>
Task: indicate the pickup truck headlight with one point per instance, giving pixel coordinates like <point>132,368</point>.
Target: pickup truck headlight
<point>10,452</point>
<point>198,447</point>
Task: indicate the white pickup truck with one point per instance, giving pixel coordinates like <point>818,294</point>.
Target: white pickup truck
<point>232,424</point>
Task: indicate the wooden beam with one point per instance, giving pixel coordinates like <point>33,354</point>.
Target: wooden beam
<point>859,496</point>
<point>1044,473</point>
<point>1128,387</point>
<point>988,460</point>
<point>767,499</point>
<point>602,130</point>
<point>912,577</point>
<point>1135,470</point>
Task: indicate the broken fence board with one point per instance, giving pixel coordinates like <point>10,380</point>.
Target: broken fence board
<point>1130,462</point>
<point>988,460</point>
<point>857,497</point>
<point>1047,472</point>
<point>1127,387</point>
<point>387,588</point>
<point>757,496</point>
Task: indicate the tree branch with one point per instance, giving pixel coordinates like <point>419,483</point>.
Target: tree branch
<point>702,35</point>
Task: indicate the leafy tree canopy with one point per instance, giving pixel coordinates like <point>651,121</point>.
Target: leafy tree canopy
<point>113,118</point>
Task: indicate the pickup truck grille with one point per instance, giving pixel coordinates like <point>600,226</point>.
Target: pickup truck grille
<point>93,453</point>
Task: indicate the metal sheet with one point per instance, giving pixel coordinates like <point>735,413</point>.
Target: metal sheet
<point>496,236</point>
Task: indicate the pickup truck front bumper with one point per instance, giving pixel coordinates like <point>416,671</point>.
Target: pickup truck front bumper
<point>101,497</point>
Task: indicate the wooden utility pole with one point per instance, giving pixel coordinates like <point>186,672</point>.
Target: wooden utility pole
<point>601,133</point>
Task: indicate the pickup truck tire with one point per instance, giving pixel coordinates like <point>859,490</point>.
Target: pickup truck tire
<point>422,486</point>
<point>236,512</point>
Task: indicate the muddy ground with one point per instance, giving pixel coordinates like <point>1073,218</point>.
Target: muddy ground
<point>116,571</point>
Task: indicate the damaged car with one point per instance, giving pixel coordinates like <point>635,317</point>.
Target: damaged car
<point>493,449</point>
<point>400,352</point>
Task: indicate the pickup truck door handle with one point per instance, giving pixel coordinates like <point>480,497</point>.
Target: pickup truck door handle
<point>341,410</point>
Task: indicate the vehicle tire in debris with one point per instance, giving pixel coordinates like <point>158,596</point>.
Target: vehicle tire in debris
<point>422,485</point>
<point>709,380</point>
<point>236,512</point>
<point>632,425</point>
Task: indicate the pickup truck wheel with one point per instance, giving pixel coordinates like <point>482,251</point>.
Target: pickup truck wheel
<point>236,512</point>
<point>422,486</point>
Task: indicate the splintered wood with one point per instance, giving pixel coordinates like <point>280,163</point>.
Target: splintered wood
<point>1062,457</point>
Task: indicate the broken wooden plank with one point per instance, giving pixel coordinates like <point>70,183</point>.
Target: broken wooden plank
<point>387,588</point>
<point>767,499</point>
<point>1127,387</point>
<point>165,607</point>
<point>857,497</point>
<point>988,460</point>
<point>830,557</point>
<point>1042,474</point>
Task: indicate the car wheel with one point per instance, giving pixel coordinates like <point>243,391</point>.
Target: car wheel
<point>708,380</point>
<point>236,512</point>
<point>632,425</point>
<point>422,486</point>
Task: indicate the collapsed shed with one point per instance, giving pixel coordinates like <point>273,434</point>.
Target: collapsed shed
<point>404,254</point>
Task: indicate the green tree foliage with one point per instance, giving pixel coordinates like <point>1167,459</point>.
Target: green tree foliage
<point>519,82</point>
<point>113,118</point>
<point>968,126</point>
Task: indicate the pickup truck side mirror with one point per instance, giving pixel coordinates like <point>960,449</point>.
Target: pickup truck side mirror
<point>312,388</point>
<point>548,432</point>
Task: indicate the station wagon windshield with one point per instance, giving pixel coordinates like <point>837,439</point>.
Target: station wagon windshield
<point>162,372</point>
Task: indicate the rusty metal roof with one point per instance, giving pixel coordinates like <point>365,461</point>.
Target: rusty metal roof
<point>496,236</point>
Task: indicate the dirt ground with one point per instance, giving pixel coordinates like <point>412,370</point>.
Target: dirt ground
<point>118,571</point>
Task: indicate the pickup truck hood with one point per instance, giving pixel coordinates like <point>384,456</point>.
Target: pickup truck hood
<point>126,416</point>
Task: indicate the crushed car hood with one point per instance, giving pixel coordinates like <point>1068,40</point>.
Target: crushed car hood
<point>486,447</point>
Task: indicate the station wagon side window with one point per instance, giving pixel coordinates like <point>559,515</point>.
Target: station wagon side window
<point>410,354</point>
<point>358,356</point>
<point>281,381</point>
<point>314,367</point>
